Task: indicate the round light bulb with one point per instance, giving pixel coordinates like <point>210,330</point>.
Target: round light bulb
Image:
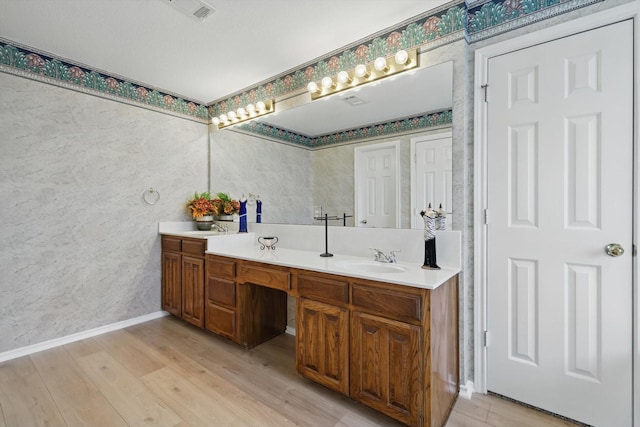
<point>327,82</point>
<point>242,112</point>
<point>215,121</point>
<point>402,57</point>
<point>232,115</point>
<point>312,87</point>
<point>380,64</point>
<point>260,106</point>
<point>361,70</point>
<point>224,118</point>
<point>343,77</point>
<point>251,108</point>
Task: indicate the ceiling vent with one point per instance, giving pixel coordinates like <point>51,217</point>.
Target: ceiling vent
<point>353,100</point>
<point>196,9</point>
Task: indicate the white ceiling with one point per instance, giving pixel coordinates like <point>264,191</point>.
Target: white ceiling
<point>243,43</point>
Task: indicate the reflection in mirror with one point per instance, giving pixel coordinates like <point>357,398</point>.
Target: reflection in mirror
<point>295,181</point>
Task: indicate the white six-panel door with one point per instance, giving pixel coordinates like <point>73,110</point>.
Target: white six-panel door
<point>559,190</point>
<point>376,187</point>
<point>432,182</point>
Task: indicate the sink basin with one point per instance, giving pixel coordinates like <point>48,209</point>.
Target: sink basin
<point>371,267</point>
<point>202,233</point>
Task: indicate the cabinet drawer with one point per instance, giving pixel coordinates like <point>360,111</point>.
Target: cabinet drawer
<point>386,302</point>
<point>194,247</point>
<point>219,267</point>
<point>221,291</point>
<point>171,244</point>
<point>323,289</point>
<point>220,320</point>
<point>265,276</point>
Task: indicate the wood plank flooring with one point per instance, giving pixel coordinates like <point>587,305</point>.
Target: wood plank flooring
<point>167,373</point>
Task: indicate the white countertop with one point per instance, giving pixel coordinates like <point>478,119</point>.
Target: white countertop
<point>412,275</point>
<point>194,234</point>
<point>245,246</point>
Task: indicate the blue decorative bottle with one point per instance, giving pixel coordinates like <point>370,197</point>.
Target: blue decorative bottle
<point>243,215</point>
<point>258,211</point>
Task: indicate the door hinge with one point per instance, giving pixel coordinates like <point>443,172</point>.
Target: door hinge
<point>486,216</point>
<point>484,87</point>
<point>634,250</point>
<point>485,339</point>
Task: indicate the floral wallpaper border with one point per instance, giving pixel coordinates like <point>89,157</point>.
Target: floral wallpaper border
<point>25,62</point>
<point>498,16</point>
<point>411,124</point>
<point>444,25</point>
<point>472,20</point>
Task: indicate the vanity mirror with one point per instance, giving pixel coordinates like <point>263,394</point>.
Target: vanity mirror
<point>293,180</point>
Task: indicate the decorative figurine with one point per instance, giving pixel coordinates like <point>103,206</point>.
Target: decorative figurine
<point>429,216</point>
<point>243,215</point>
<point>441,222</point>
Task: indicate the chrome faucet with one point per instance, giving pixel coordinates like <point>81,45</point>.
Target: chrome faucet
<point>219,227</point>
<point>381,257</point>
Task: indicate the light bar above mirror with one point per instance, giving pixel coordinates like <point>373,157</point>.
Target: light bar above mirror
<point>363,73</point>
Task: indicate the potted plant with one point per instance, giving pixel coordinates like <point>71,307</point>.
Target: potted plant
<point>201,208</point>
<point>224,207</point>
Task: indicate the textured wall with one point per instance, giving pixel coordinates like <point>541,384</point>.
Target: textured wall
<point>333,181</point>
<point>79,246</point>
<point>278,173</point>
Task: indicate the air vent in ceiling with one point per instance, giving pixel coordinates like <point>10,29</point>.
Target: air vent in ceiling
<point>196,9</point>
<point>353,100</point>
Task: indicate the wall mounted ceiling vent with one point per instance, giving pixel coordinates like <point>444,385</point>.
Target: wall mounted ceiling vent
<point>196,9</point>
<point>353,100</point>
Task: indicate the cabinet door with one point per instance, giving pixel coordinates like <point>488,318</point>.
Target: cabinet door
<point>385,369</point>
<point>322,336</point>
<point>193,290</point>
<point>171,283</point>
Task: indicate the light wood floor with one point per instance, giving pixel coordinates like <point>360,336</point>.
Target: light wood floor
<point>167,373</point>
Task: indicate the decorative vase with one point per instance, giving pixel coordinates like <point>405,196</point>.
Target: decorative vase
<point>204,223</point>
<point>243,215</point>
<point>258,211</point>
<point>224,217</point>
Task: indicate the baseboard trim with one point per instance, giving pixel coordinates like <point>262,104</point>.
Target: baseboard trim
<point>56,342</point>
<point>290,331</point>
<point>466,390</point>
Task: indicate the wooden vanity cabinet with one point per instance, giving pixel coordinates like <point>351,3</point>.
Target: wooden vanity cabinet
<point>220,297</point>
<point>387,350</point>
<point>404,350</point>
<point>391,347</point>
<point>183,278</point>
<point>322,330</point>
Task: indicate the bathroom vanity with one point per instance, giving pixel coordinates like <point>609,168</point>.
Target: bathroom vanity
<point>387,340</point>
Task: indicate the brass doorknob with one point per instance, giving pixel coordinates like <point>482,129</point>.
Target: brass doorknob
<point>614,249</point>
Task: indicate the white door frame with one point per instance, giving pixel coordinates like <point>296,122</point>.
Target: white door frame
<point>445,133</point>
<point>482,56</point>
<point>356,169</point>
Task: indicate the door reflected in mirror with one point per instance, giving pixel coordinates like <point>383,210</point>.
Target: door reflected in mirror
<point>293,179</point>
